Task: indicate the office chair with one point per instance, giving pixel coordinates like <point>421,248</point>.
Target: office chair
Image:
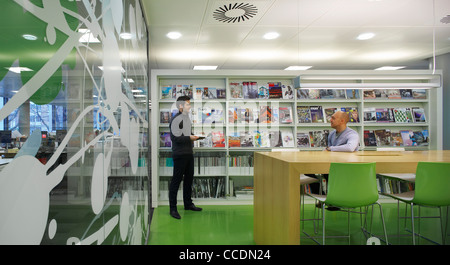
<point>350,185</point>
<point>431,189</point>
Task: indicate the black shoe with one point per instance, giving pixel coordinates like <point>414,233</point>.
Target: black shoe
<point>333,208</point>
<point>175,214</point>
<point>192,208</point>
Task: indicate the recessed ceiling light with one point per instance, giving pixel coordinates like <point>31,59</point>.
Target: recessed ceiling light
<point>390,67</point>
<point>297,67</point>
<point>126,36</point>
<point>18,69</point>
<point>205,67</point>
<point>365,36</point>
<point>29,37</point>
<point>271,35</point>
<point>174,35</point>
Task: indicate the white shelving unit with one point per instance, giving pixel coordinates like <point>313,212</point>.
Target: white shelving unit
<point>243,176</point>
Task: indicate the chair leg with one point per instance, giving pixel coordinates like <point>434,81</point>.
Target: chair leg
<point>323,224</point>
<point>384,225</point>
<point>412,223</point>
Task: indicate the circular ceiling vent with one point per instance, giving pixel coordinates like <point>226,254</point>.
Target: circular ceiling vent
<point>235,13</point>
<point>446,19</point>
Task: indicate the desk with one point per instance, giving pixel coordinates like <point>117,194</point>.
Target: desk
<point>277,184</point>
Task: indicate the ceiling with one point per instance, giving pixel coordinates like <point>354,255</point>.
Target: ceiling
<point>318,33</point>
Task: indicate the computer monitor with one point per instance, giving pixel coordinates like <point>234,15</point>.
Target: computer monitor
<point>5,136</point>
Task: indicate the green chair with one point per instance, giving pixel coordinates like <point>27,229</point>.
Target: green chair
<point>350,185</point>
<point>432,189</point>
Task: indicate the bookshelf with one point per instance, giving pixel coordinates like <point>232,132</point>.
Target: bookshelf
<point>224,160</point>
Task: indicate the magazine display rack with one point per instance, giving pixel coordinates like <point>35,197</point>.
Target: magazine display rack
<point>242,112</point>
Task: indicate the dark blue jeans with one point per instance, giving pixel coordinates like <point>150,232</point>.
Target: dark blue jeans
<point>183,170</point>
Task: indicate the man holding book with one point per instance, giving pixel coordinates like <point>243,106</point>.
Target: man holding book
<point>183,156</point>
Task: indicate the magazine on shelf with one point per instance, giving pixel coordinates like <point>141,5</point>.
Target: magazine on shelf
<point>316,114</point>
<point>246,139</point>
<point>265,114</point>
<point>380,93</point>
<point>303,114</point>
<point>406,93</point>
<point>393,94</point>
<point>275,139</point>
<point>221,93</point>
<point>236,90</point>
<point>302,140</point>
<point>287,138</point>
<point>418,114</point>
<point>234,139</point>
<point>166,92</point>
<point>402,115</point>
<point>419,94</point>
<point>302,93</point>
<point>250,89</point>
<point>275,90</point>
<point>369,94</point>
<point>408,138</point>
<point>370,115</point>
<point>165,116</point>
<point>285,115</point>
<point>352,93</point>
<point>326,93</point>
<point>328,113</point>
<point>263,91</point>
<point>352,112</point>
<point>396,138</point>
<point>369,138</point>
<point>384,115</point>
<point>383,137</point>
<point>288,92</point>
<point>218,139</point>
<point>165,140</point>
<point>314,93</point>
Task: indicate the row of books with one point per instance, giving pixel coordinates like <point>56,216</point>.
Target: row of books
<point>391,186</point>
<point>194,92</point>
<point>204,187</point>
<point>318,114</point>
<point>397,115</point>
<point>384,137</point>
<point>395,94</point>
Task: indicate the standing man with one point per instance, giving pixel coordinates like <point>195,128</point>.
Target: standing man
<point>342,139</point>
<point>183,156</point>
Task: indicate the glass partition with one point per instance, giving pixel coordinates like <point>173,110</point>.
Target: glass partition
<point>74,122</point>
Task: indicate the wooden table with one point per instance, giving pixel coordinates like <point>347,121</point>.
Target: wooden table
<point>277,184</point>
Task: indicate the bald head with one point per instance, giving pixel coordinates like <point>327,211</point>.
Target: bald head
<point>339,120</point>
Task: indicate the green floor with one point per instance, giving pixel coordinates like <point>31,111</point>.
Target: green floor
<point>233,225</point>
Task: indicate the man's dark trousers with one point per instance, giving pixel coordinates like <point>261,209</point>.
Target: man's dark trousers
<point>183,166</point>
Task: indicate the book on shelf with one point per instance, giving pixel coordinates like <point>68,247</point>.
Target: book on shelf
<point>328,113</point>
<point>418,114</point>
<point>316,114</point>
<point>302,93</point>
<point>388,185</point>
<point>288,92</point>
<point>236,90</point>
<point>303,114</point>
<point>302,140</point>
<point>285,115</point>
<point>275,90</point>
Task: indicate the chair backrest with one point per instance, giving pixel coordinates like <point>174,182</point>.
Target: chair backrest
<point>352,185</point>
<point>432,186</point>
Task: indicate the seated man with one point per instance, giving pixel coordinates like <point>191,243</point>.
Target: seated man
<point>341,139</point>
